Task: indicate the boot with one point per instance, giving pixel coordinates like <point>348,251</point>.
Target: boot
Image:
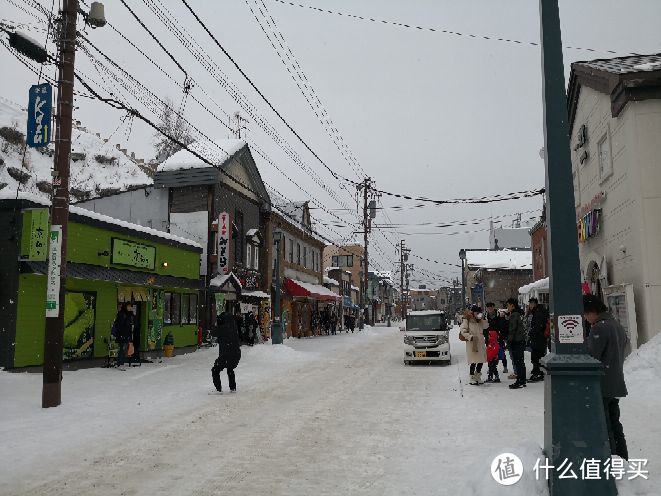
<point>537,377</point>
<point>518,384</point>
<point>474,380</point>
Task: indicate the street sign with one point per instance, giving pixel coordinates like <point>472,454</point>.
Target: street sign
<point>40,107</point>
<point>54,262</point>
<point>570,329</point>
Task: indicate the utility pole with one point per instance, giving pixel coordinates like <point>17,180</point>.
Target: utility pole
<point>369,212</point>
<point>574,419</point>
<point>404,257</point>
<point>51,394</point>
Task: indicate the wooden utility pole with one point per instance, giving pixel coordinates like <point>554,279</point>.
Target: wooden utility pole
<point>366,223</point>
<point>57,263</point>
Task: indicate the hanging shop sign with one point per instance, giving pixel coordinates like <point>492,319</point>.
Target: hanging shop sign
<point>37,242</point>
<point>596,202</point>
<point>54,263</point>
<point>126,252</point>
<point>40,107</point>
<point>224,243</point>
<point>589,225</point>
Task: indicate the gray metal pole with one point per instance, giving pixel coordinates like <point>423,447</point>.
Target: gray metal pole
<point>574,421</point>
<point>276,327</point>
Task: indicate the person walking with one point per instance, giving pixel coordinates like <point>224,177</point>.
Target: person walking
<point>516,341</point>
<point>607,343</point>
<point>123,333</point>
<point>229,351</point>
<point>251,328</point>
<point>472,330</point>
<point>537,338</point>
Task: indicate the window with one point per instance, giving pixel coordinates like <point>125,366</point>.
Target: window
<point>249,256</point>
<point>335,261</point>
<point>176,308</point>
<point>298,253</point>
<point>239,237</point>
<point>192,316</point>
<point>305,257</point>
<point>291,250</point>
<point>342,260</point>
<point>185,309</point>
<point>256,261</point>
<point>605,159</point>
<point>167,308</point>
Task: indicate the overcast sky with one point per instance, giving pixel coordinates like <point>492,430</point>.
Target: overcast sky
<point>425,113</point>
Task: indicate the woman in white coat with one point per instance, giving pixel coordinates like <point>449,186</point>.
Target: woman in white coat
<point>472,329</point>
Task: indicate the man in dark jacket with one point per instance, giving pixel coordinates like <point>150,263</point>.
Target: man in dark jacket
<point>607,342</point>
<point>123,332</point>
<point>229,351</point>
<point>516,341</point>
<point>536,337</point>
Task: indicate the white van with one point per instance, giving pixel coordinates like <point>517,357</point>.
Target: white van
<point>427,338</point>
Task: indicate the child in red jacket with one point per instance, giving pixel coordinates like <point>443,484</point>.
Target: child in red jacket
<point>493,349</point>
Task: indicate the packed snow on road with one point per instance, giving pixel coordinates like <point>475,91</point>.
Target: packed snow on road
<point>329,415</point>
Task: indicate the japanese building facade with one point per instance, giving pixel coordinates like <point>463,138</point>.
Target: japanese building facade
<point>109,262</point>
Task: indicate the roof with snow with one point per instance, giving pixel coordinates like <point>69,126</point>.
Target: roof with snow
<point>8,195</point>
<point>540,285</point>
<point>501,259</point>
<point>623,79</point>
<point>218,152</point>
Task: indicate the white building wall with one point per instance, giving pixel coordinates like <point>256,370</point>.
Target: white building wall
<point>630,234</point>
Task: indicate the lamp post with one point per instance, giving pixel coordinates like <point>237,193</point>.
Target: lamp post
<point>276,326</point>
<point>462,256</point>
<point>574,420</point>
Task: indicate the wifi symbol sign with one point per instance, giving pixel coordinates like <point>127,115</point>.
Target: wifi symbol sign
<point>571,324</point>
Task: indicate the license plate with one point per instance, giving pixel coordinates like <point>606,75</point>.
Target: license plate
<point>420,354</point>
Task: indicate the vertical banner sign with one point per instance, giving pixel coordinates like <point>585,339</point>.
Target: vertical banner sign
<point>224,243</point>
<point>40,106</point>
<point>38,250</point>
<point>54,262</point>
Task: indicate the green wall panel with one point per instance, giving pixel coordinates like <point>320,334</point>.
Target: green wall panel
<point>30,321</point>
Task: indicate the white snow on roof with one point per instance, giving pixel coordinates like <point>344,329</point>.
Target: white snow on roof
<point>252,232</point>
<point>540,285</point>
<point>184,159</point>
<point>316,289</point>
<point>255,294</point>
<point>11,195</point>
<point>220,280</point>
<point>648,66</point>
<point>332,282</point>
<point>501,259</point>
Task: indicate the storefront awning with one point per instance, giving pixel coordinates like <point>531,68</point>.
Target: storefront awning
<point>255,294</point>
<point>128,294</point>
<point>308,290</point>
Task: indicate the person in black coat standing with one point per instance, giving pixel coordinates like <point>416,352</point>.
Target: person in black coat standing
<point>537,337</point>
<point>607,343</point>
<point>123,332</point>
<point>229,351</point>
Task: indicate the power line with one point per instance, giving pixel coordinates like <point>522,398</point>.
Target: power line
<point>430,29</point>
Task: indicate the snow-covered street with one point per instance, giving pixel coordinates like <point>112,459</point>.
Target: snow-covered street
<point>330,415</point>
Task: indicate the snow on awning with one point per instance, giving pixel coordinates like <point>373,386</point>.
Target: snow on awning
<point>255,294</point>
<point>330,281</point>
<point>308,290</point>
<point>221,281</point>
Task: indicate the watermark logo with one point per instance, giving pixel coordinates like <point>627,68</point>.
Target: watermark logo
<point>507,469</point>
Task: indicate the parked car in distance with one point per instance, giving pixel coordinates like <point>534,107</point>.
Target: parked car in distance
<point>426,338</point>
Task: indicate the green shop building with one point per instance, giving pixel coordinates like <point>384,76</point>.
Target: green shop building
<point>109,262</point>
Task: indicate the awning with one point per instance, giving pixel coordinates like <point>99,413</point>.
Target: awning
<point>224,283</point>
<point>308,290</point>
<point>128,294</point>
<point>255,294</point>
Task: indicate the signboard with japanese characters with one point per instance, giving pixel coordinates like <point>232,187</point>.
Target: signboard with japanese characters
<point>54,263</point>
<point>570,329</point>
<point>36,221</point>
<point>224,229</point>
<point>133,254</point>
<point>40,106</point>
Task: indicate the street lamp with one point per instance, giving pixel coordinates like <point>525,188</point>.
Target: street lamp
<point>574,420</point>
<point>276,326</point>
<point>462,256</point>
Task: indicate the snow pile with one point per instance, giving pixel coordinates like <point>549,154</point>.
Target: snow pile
<point>642,369</point>
<point>95,166</point>
<point>540,285</point>
<point>184,159</point>
<point>648,66</point>
<point>500,259</point>
<point>279,353</point>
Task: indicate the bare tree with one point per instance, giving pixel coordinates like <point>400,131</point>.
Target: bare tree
<point>173,124</point>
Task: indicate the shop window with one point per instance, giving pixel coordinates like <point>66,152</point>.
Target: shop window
<point>185,309</point>
<point>176,308</point>
<point>167,308</point>
<point>192,316</point>
<point>238,238</point>
<point>249,256</point>
<point>298,253</point>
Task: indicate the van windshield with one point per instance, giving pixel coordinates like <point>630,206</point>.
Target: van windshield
<point>424,323</point>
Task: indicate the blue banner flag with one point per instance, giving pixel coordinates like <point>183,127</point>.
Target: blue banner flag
<point>40,107</point>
